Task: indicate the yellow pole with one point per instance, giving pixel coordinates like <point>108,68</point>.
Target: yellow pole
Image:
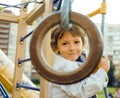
<point>101,10</point>
<point>97,11</point>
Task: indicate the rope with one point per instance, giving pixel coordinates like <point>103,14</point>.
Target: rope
<point>19,5</point>
<point>65,24</point>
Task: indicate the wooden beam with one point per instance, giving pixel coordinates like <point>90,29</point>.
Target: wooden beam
<point>9,17</point>
<point>20,54</point>
<point>47,50</point>
<point>35,13</point>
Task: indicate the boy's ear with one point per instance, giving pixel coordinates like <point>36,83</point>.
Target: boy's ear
<point>56,51</point>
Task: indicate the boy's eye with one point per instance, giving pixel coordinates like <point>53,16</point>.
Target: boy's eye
<point>77,42</point>
<point>64,43</point>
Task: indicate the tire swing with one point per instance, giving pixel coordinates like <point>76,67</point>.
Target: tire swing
<point>38,60</point>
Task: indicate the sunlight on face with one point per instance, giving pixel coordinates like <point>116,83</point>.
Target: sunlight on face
<point>69,46</point>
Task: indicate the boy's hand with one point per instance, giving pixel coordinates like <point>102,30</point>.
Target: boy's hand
<point>104,64</point>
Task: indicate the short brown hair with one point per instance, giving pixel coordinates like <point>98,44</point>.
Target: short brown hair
<point>59,32</point>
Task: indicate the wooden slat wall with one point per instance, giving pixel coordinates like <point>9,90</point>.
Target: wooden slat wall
<point>4,36</point>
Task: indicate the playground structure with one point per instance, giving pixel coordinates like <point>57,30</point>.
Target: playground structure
<point>23,20</point>
<point>6,77</point>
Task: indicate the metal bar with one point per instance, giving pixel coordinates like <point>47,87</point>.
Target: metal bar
<point>59,5</point>
<point>6,5</point>
<point>103,24</point>
<point>102,30</point>
<point>22,61</point>
<point>27,87</point>
<point>23,38</point>
<point>106,92</point>
<point>18,5</point>
<point>3,91</point>
<point>95,12</point>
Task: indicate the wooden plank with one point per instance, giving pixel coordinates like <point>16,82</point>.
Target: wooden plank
<point>35,13</point>
<point>47,52</point>
<point>4,35</point>
<point>9,17</point>
<point>20,53</point>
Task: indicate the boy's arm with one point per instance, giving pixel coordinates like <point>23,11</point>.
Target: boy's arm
<point>95,82</point>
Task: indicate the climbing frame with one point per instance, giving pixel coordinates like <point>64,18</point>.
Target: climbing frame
<point>23,20</point>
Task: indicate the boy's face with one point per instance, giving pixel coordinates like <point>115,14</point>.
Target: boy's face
<point>69,46</point>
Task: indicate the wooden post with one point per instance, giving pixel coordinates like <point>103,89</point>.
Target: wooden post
<point>20,52</point>
<point>47,52</point>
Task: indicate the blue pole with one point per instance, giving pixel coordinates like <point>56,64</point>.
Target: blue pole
<point>102,30</point>
<point>3,91</point>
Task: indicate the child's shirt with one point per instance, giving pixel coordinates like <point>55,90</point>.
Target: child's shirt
<point>83,89</point>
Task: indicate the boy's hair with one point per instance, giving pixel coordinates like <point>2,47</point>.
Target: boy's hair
<point>59,32</point>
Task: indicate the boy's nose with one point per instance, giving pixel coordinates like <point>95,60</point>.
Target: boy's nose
<point>72,47</point>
